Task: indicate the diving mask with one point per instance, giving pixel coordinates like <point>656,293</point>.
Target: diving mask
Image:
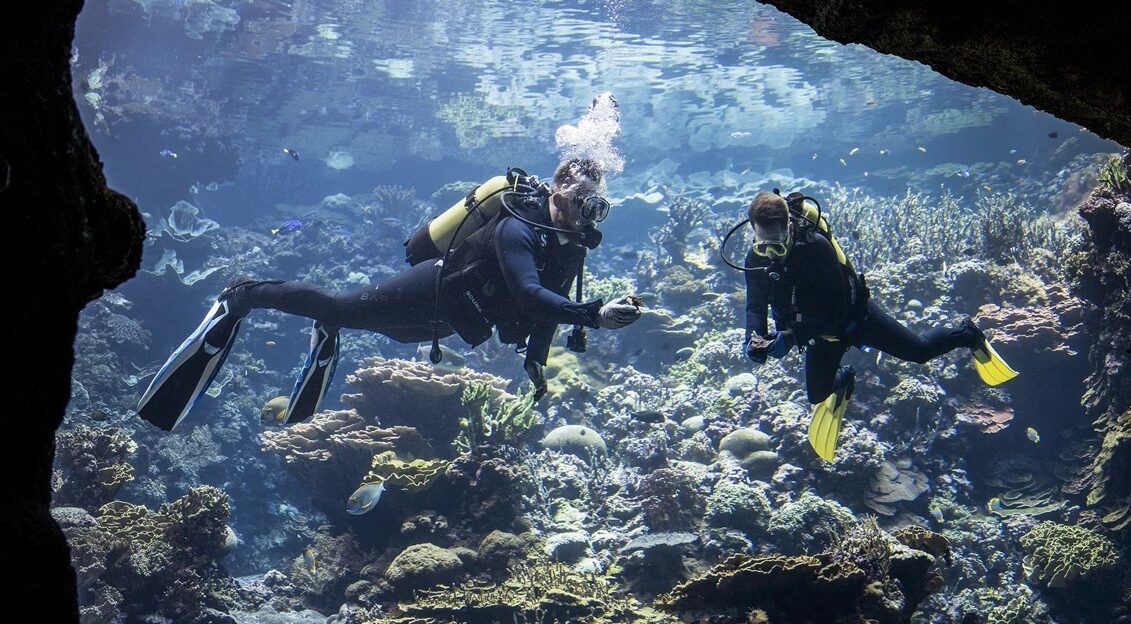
<point>593,208</point>
<point>774,247</point>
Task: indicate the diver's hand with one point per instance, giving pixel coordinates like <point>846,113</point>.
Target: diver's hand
<point>537,374</point>
<point>617,314</point>
<point>782,343</point>
<point>756,349</point>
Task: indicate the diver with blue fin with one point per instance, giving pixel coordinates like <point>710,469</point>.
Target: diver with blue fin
<point>503,259</point>
<point>797,269</point>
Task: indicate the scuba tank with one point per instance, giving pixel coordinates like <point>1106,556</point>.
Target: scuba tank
<point>435,238</point>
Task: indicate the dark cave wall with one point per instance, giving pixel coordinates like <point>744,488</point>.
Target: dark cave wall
<point>65,238</point>
<point>1070,59</point>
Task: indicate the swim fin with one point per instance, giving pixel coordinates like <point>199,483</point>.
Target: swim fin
<point>991,368</point>
<point>187,373</point>
<point>316,375</point>
<point>824,427</point>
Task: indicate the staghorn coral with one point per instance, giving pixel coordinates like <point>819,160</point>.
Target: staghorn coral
<point>94,464</point>
<point>493,419</point>
<point>1057,554</point>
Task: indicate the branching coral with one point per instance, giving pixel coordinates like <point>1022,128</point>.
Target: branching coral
<point>493,419</point>
<point>1057,554</point>
<point>685,215</point>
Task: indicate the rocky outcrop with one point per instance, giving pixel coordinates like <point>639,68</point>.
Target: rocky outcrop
<point>1069,61</point>
<point>66,238</point>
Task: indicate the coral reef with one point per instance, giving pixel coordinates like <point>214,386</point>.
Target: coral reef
<point>1059,554</point>
<point>94,463</point>
<point>492,419</point>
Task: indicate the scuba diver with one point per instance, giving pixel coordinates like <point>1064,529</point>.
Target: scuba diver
<point>821,305</point>
<point>504,258</point>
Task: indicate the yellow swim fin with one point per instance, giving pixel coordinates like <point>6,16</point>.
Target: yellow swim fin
<point>824,427</point>
<point>991,368</point>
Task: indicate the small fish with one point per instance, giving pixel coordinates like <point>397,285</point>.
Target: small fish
<point>922,149</point>
<point>1033,436</point>
<point>865,174</point>
<point>1022,161</point>
<point>965,173</point>
<point>274,410</point>
<point>1054,134</point>
<point>288,227</point>
<point>309,560</point>
<point>853,151</point>
<point>744,171</point>
<point>987,188</point>
<point>994,505</point>
<point>392,222</point>
<point>884,152</point>
<point>168,154</point>
<point>814,155</point>
<point>365,498</point>
<point>842,163</point>
<point>290,152</point>
<point>870,103</point>
<point>270,343</point>
<point>936,513</point>
<point>1013,150</point>
<point>650,416</point>
<point>739,135</point>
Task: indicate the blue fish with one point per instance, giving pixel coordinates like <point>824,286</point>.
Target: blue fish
<point>290,152</point>
<point>288,227</point>
<point>168,154</point>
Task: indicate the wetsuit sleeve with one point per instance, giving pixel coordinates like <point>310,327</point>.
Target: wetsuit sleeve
<point>757,300</point>
<point>827,279</point>
<point>515,245</point>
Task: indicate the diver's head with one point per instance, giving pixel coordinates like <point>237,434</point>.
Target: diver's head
<point>576,170</point>
<point>578,205</point>
<point>769,215</point>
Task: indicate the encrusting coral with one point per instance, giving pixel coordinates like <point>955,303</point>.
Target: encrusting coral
<point>94,465</point>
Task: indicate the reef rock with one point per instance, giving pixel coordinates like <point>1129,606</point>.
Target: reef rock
<point>576,439</point>
<point>751,448</point>
<point>422,565</point>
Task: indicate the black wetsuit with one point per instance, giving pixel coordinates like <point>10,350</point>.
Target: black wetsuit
<point>507,275</point>
<point>823,303</point>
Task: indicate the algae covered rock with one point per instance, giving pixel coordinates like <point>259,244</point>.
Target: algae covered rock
<point>576,439</point>
<point>499,549</point>
<point>738,506</point>
<point>809,524</point>
<point>1056,554</point>
<point>422,565</point>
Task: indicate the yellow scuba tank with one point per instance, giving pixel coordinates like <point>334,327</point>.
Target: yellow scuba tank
<point>808,211</point>
<point>454,225</point>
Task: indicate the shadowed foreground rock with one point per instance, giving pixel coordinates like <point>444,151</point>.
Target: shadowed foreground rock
<point>66,238</point>
<point>1069,60</point>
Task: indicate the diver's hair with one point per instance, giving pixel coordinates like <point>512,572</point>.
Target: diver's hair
<point>579,187</point>
<point>768,210</point>
<point>576,170</point>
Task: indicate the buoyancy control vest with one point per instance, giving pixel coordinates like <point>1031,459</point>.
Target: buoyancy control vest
<point>470,280</point>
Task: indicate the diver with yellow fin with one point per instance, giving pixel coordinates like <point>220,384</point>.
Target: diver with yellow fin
<point>797,269</point>
<point>502,260</point>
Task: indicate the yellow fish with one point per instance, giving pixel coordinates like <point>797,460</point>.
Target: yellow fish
<point>1033,436</point>
<point>936,513</point>
<point>994,505</point>
<point>309,560</point>
<point>274,410</point>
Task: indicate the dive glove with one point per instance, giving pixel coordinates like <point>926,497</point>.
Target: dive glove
<point>756,349</point>
<point>782,343</point>
<point>617,314</point>
<point>537,374</point>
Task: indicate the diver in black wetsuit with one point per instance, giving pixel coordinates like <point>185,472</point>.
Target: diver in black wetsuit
<point>797,269</point>
<point>513,274</point>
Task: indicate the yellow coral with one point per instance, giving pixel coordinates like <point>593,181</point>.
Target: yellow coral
<point>1058,553</point>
